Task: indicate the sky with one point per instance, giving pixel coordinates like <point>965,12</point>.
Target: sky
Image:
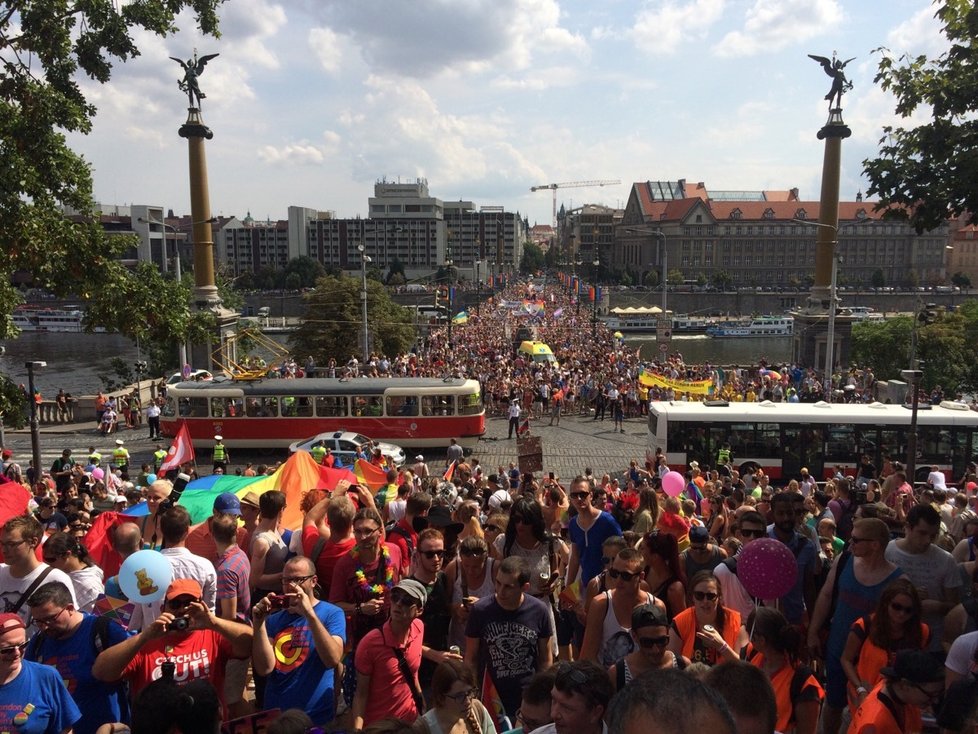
<point>313,101</point>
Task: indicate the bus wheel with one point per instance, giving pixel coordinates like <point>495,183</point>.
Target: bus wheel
<point>748,466</point>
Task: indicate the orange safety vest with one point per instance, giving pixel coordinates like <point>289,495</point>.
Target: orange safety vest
<point>873,658</point>
<point>685,626</point>
<point>880,714</point>
<point>792,684</point>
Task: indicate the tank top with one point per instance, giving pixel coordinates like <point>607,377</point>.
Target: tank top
<point>616,639</point>
<point>456,634</point>
<point>278,551</point>
<point>662,594</point>
<point>854,601</point>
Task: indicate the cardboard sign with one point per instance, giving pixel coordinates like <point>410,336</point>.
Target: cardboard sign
<point>530,451</point>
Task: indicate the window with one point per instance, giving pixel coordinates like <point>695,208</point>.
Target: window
<point>331,406</point>
<point>227,407</point>
<point>367,405</point>
<point>300,407</point>
<point>437,405</point>
<point>193,407</point>
<point>402,405</point>
<point>261,407</point>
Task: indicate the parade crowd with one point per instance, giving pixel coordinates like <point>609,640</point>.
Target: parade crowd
<point>465,599</point>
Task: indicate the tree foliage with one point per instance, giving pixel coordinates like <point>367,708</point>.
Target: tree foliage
<point>533,258</point>
<point>45,48</point>
<point>928,171</point>
<point>961,280</point>
<point>332,325</point>
<point>944,347</point>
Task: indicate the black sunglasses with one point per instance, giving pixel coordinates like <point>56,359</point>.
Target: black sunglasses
<point>756,533</point>
<point>653,641</point>
<point>432,553</point>
<point>705,595</point>
<point>624,575</point>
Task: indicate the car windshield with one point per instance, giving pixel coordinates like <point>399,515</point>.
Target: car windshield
<point>360,440</point>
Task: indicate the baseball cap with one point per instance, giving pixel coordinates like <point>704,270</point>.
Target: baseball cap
<point>415,589</point>
<point>184,587</point>
<point>120,500</point>
<point>7,453</point>
<point>915,666</point>
<point>227,503</point>
<point>699,534</point>
<point>10,621</point>
<point>648,615</point>
<point>250,499</point>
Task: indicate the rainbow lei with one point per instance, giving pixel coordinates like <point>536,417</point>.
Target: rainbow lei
<point>388,569</point>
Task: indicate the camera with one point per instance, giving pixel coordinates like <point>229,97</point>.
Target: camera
<point>180,624</point>
<point>179,484</point>
<point>167,670</point>
<point>279,601</point>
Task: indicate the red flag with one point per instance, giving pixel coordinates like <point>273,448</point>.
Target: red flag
<point>450,471</point>
<point>181,451</point>
<point>524,427</point>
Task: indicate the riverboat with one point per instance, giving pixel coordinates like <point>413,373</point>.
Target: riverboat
<point>49,319</point>
<point>646,320</point>
<point>762,326</point>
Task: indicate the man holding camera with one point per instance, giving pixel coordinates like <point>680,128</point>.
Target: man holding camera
<point>298,642</point>
<point>185,642</point>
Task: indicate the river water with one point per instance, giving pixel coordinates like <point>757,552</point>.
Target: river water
<point>76,361</point>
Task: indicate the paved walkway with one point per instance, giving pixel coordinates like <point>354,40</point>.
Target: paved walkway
<point>577,443</point>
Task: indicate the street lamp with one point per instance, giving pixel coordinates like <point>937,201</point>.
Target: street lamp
<point>364,259</point>
<point>594,301</point>
<point>35,434</point>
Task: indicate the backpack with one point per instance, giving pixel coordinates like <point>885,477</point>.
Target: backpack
<point>397,529</point>
<point>844,525</point>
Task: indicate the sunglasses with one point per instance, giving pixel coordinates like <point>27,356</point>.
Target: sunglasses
<point>493,528</point>
<point>755,533</point>
<point>8,652</point>
<point>853,540</point>
<point>901,608</point>
<point>653,641</point>
<point>624,575</point>
<point>705,596</point>
<point>432,553</point>
<point>403,599</point>
<point>579,496</point>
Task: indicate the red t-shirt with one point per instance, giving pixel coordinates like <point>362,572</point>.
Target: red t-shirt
<point>390,694</point>
<point>398,538</point>
<point>331,553</point>
<point>200,654</point>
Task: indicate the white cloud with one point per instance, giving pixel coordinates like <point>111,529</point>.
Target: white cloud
<point>919,34</point>
<point>663,27</point>
<point>771,25</point>
<point>325,45</point>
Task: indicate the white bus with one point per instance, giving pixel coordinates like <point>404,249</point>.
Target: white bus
<point>782,438</point>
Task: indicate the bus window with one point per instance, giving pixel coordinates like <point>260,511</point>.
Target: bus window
<point>470,404</point>
<point>840,444</point>
<point>368,405</point>
<point>676,438</point>
<point>331,406</point>
<point>962,454</point>
<point>441,404</point>
<point>934,444</point>
<point>767,441</point>
<point>402,405</point>
<point>741,438</point>
<point>892,444</point>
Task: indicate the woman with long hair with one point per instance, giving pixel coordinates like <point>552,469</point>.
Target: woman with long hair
<point>707,632</point>
<point>474,573</point>
<point>647,514</point>
<point>455,705</point>
<point>664,572</point>
<point>650,630</point>
<point>65,552</point>
<point>772,649</point>
<point>527,537</point>
<point>876,639</point>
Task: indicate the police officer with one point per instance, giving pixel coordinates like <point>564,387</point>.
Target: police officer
<point>158,456</point>
<point>723,459</point>
<point>220,455</point>
<point>120,456</point>
<point>318,452</point>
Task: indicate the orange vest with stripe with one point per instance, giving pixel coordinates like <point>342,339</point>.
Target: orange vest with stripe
<point>685,626</point>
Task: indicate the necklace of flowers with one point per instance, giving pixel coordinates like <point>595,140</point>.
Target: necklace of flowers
<point>384,567</point>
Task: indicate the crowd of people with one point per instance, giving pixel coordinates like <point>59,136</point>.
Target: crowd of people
<point>496,600</point>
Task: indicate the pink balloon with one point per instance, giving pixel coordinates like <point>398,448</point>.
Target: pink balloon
<point>673,484</point>
<point>767,568</point>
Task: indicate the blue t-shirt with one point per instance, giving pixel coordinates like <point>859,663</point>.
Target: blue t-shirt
<point>589,543</point>
<point>73,658</point>
<point>299,678</point>
<point>36,702</point>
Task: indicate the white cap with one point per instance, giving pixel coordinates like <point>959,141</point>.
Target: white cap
<point>218,438</point>
<point>120,499</point>
<point>419,457</point>
<point>119,442</point>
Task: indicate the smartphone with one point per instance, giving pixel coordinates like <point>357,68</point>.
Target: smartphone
<point>552,477</point>
<point>280,601</point>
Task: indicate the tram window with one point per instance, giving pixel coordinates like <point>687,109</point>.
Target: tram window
<point>303,407</point>
<point>470,404</point>
<point>767,441</point>
<point>439,404</point>
<point>934,444</point>
<point>170,408</point>
<point>840,443</point>
<point>226,407</point>
<point>368,405</point>
<point>261,407</point>
<point>331,406</point>
<point>402,405</point>
<point>193,408</point>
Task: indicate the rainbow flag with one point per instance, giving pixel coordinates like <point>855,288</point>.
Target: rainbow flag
<point>370,476</point>
<point>493,702</point>
<point>570,595</point>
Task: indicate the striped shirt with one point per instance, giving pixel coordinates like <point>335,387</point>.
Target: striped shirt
<point>233,571</point>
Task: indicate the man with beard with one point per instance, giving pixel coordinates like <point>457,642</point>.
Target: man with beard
<point>802,595</point>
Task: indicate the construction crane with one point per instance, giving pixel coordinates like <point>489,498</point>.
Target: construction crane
<point>571,185</point>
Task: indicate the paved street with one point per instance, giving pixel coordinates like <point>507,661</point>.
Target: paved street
<point>577,443</point>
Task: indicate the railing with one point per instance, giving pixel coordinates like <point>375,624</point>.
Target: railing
<point>82,408</point>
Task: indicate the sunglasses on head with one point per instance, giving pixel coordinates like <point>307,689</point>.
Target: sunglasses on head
<point>705,595</point>
<point>623,575</point>
<point>653,641</point>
